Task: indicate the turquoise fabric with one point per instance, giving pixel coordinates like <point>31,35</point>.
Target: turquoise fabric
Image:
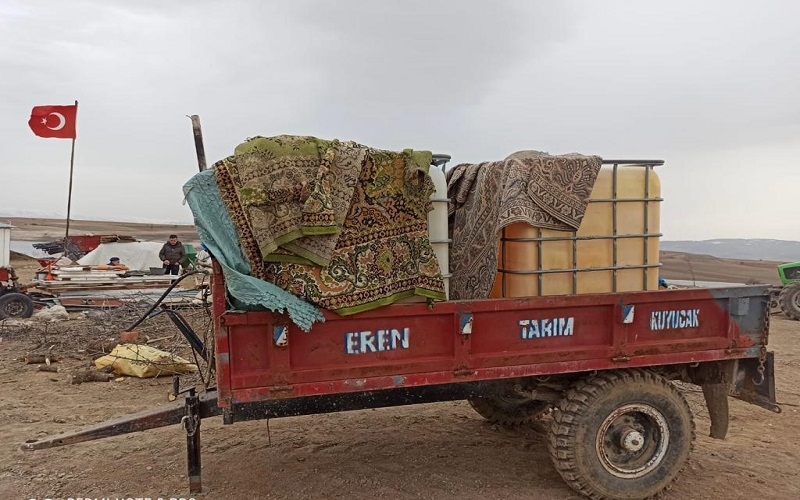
<point>218,233</point>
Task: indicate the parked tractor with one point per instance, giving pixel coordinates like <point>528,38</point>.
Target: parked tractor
<point>787,296</point>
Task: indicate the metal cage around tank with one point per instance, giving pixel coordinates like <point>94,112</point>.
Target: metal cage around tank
<point>572,236</point>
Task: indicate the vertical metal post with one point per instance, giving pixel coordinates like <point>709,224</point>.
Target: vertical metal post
<point>191,423</point>
<point>646,225</point>
<point>198,142</point>
<point>614,225</point>
<point>503,261</point>
<point>539,260</point>
<point>574,262</point>
<point>69,190</point>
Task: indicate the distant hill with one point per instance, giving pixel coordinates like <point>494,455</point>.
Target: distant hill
<point>747,249</point>
<point>31,229</point>
<point>696,267</point>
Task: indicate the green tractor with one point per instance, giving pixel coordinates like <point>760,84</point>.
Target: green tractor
<point>787,297</point>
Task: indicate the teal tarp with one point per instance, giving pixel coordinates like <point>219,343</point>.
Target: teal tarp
<point>217,232</point>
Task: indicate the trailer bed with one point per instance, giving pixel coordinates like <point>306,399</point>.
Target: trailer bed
<point>262,356</point>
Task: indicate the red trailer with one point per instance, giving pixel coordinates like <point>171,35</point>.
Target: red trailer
<point>603,365</point>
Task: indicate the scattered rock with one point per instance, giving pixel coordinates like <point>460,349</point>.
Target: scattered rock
<point>128,337</point>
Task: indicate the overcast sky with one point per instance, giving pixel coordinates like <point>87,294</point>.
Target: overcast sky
<point>711,87</point>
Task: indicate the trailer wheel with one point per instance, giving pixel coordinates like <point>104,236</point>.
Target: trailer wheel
<point>15,305</point>
<point>509,410</point>
<point>789,300</point>
<point>621,434</point>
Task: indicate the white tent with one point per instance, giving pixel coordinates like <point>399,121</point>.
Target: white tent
<point>137,255</point>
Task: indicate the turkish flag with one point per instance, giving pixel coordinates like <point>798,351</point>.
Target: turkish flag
<point>54,121</point>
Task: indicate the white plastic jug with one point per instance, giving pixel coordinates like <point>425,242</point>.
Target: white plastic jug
<point>437,224</point>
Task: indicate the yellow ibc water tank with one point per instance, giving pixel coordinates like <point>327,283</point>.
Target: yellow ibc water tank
<point>615,248</point>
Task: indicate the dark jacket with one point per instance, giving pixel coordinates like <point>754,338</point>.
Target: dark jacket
<point>173,253</point>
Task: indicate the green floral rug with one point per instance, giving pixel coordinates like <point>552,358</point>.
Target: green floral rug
<point>338,223</point>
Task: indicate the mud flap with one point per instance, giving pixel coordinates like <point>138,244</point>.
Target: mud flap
<point>740,379</point>
<point>716,396</point>
<point>716,380</point>
<point>752,387</point>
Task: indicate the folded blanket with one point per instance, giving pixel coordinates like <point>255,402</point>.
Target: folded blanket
<point>284,189</point>
<point>383,253</point>
<point>528,186</point>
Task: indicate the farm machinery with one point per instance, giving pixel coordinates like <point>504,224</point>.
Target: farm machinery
<point>787,296</point>
<point>14,302</point>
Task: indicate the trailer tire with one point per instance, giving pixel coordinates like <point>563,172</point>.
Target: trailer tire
<point>789,300</point>
<point>509,410</point>
<point>15,305</point>
<point>621,434</point>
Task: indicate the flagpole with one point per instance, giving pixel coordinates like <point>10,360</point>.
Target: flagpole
<point>69,194</point>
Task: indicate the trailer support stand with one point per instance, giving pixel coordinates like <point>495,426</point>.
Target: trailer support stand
<point>716,396</point>
<point>191,423</point>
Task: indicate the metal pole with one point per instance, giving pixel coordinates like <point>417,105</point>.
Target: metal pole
<point>192,426</point>
<point>69,194</point>
<point>198,142</point>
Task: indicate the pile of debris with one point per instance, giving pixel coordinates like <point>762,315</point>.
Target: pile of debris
<point>89,283</point>
<point>93,346</point>
<point>76,247</point>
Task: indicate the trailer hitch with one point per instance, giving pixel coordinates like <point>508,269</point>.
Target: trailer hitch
<point>188,413</point>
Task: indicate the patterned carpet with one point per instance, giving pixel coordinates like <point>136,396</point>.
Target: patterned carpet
<point>528,186</point>
<point>339,224</point>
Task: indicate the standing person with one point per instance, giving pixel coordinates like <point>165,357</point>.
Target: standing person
<point>171,255</point>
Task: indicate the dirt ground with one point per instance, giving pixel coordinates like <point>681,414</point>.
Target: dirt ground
<point>688,266</point>
<point>433,451</point>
